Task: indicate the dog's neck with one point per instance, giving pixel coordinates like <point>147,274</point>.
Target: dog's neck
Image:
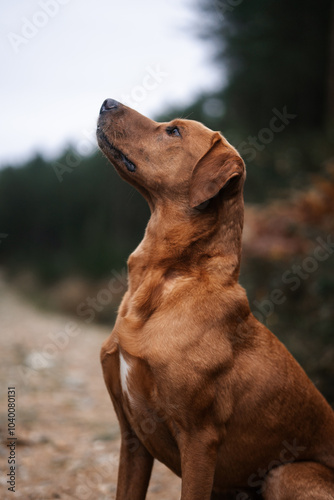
<point>185,239</point>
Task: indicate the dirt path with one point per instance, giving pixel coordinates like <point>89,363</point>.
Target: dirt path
<point>68,438</point>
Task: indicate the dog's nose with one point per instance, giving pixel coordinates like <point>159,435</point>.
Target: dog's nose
<point>108,105</point>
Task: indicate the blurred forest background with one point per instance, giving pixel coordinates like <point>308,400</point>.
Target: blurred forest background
<point>67,225</point>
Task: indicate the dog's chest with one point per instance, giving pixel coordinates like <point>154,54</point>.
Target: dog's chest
<point>125,374</point>
<point>144,411</point>
<point>136,382</point>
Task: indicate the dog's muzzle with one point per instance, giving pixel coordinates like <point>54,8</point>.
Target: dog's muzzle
<point>110,105</point>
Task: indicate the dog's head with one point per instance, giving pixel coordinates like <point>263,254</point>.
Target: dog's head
<point>181,161</point>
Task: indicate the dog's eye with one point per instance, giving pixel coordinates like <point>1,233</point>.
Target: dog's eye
<point>173,131</point>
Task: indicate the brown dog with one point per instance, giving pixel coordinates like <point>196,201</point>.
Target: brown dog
<point>196,381</point>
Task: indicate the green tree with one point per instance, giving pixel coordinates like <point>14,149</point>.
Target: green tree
<point>275,54</point>
<point>86,224</point>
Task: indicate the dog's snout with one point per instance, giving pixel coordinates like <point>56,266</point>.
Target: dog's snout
<point>108,105</point>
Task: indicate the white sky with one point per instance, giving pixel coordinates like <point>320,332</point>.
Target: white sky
<point>55,75</point>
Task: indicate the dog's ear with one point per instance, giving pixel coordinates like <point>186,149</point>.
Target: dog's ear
<point>214,171</point>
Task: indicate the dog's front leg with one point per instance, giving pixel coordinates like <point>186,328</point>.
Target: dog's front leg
<point>135,464</point>
<point>135,467</point>
<point>198,462</point>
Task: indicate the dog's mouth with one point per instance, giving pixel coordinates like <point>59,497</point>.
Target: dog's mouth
<point>115,153</point>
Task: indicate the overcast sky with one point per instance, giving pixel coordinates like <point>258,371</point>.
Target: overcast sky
<point>61,58</point>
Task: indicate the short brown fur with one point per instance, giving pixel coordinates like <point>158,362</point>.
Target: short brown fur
<point>211,392</point>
